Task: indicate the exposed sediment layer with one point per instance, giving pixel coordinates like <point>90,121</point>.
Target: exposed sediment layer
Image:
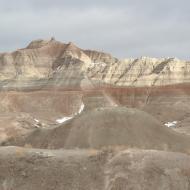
<point>45,63</point>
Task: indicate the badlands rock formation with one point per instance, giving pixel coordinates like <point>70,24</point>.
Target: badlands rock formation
<point>81,119</point>
<point>44,63</point>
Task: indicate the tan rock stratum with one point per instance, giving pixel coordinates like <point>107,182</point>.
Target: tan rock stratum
<point>44,60</point>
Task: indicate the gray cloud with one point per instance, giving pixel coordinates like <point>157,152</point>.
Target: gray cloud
<point>125,28</point>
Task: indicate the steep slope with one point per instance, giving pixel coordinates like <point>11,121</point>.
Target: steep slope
<point>49,62</point>
<point>45,63</point>
<point>143,72</point>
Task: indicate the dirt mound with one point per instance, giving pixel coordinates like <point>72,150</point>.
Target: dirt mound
<point>122,126</point>
<point>91,169</point>
<point>138,169</point>
<point>37,169</point>
<point>109,127</point>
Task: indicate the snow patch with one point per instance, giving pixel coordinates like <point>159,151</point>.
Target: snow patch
<point>171,124</point>
<point>62,120</point>
<point>36,120</point>
<point>81,108</point>
<point>93,64</point>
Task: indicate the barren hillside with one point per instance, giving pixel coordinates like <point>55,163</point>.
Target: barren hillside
<point>82,119</point>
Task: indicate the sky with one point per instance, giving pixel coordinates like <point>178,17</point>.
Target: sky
<point>124,28</point>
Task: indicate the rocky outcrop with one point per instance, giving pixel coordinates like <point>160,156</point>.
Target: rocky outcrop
<point>46,62</point>
<point>150,72</point>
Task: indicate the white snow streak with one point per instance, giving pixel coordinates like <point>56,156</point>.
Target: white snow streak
<point>62,120</point>
<point>100,64</point>
<point>171,124</point>
<point>81,108</point>
<point>36,120</point>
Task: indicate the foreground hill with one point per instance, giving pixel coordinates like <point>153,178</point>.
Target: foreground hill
<point>107,127</point>
<point>37,169</point>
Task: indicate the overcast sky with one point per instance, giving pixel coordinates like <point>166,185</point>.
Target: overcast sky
<point>125,28</point>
